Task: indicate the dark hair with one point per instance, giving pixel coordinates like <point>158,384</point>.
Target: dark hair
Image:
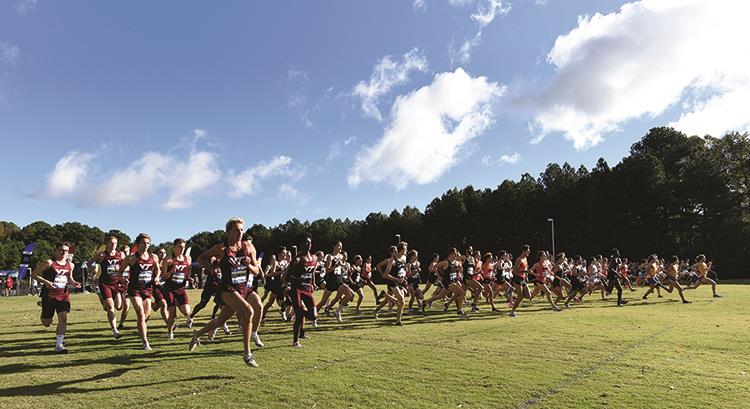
<point>525,247</point>
<point>109,237</point>
<point>141,236</point>
<point>178,241</point>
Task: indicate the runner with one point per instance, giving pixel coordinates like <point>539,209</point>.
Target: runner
<point>366,277</point>
<point>702,269</point>
<point>236,258</point>
<point>356,282</point>
<point>335,283</point>
<point>210,284</point>
<point>143,269</point>
<point>488,279</point>
<point>273,280</point>
<point>472,276</point>
<point>158,291</point>
<point>111,292</point>
<point>413,278</point>
<point>55,275</point>
<point>175,272</point>
<point>448,270</point>
<point>652,278</point>
<point>394,274</point>
<point>302,278</point>
<point>613,278</point>
<point>672,272</point>
<point>543,276</point>
<point>520,269</point>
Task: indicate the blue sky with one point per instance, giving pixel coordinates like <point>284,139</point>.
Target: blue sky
<point>170,117</point>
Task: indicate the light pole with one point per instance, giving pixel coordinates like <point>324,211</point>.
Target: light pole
<point>552,221</point>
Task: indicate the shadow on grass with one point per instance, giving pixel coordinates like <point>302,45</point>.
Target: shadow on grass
<point>70,387</point>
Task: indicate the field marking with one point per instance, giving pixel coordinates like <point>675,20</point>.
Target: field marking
<point>550,392</point>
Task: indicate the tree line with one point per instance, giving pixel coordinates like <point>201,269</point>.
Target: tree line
<point>672,194</point>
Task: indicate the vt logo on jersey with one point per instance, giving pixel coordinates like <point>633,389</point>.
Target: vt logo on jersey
<point>145,267</point>
<point>179,268</point>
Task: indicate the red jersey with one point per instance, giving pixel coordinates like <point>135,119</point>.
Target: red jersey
<point>57,273</point>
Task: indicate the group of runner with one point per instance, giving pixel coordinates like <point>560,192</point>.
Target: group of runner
<point>130,279</point>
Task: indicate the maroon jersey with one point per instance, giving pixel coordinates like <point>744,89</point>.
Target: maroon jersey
<point>57,273</point>
<point>180,274</point>
<point>142,272</point>
<point>234,271</point>
<point>110,266</point>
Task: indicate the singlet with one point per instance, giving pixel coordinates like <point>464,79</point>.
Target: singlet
<point>702,269</point>
<point>366,272</point>
<point>469,267</point>
<point>180,273</point>
<point>303,276</point>
<point>488,270</point>
<point>415,269</point>
<point>523,265</point>
<point>110,266</point>
<point>234,273</point>
<point>399,268</point>
<point>339,273</point>
<point>57,273</point>
<point>451,273</point>
<point>142,272</point>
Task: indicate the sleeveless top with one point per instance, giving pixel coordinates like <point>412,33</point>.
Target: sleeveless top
<point>399,268</point>
<point>57,273</point>
<point>469,267</point>
<point>234,273</point>
<point>303,276</point>
<point>110,266</point>
<point>180,273</point>
<point>142,272</point>
<point>451,273</point>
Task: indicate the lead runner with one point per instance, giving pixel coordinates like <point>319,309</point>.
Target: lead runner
<point>236,258</point>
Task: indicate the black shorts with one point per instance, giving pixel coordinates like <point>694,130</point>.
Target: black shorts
<point>556,282</point>
<point>50,307</point>
<point>320,282</point>
<point>333,285</point>
<point>274,286</point>
<point>517,280</point>
<point>576,284</point>
<point>446,282</point>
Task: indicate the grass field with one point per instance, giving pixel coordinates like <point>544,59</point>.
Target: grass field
<point>655,353</point>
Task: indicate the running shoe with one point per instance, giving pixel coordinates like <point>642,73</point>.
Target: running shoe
<point>189,323</point>
<point>170,336</point>
<point>226,329</point>
<point>296,345</point>
<point>717,296</point>
<point>195,342</point>
<point>257,341</point>
<point>212,334</point>
<point>337,313</point>
<point>60,349</point>
<point>512,314</point>
<point>146,346</point>
<point>250,361</point>
<point>315,323</point>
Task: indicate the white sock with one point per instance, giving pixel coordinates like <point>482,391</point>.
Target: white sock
<point>60,339</point>
<point>254,334</point>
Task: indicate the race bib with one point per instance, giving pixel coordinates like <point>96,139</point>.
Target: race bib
<point>144,277</point>
<point>113,270</point>
<point>250,279</point>
<point>239,275</point>
<point>470,270</point>
<point>61,281</point>
<point>453,276</point>
<point>401,272</point>
<point>178,278</point>
<point>338,271</point>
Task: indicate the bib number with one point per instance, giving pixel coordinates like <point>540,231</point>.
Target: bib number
<point>112,270</point>
<point>239,276</point>
<point>178,278</point>
<point>401,272</point>
<point>61,281</point>
<point>144,277</point>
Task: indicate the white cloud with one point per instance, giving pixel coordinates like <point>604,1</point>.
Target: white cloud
<point>248,182</point>
<point>429,127</point>
<point>487,11</point>
<point>25,6</point>
<point>9,53</point>
<point>289,193</point>
<point>338,148</point>
<point>644,59</point>
<point>386,75</point>
<point>191,178</point>
<point>512,159</point>
<point>69,174</point>
<point>170,180</point>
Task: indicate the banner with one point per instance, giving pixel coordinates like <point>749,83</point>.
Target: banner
<point>25,260</point>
